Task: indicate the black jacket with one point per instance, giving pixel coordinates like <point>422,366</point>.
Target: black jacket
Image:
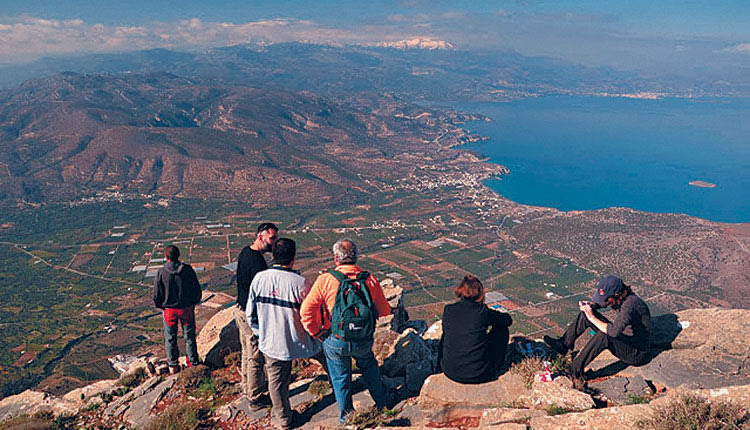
<point>468,353</point>
<point>176,286</point>
<point>249,263</point>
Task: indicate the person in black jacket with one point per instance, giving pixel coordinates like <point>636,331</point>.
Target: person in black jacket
<point>249,263</point>
<point>177,291</point>
<point>472,348</point>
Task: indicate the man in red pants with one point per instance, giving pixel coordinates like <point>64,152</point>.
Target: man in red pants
<point>177,291</point>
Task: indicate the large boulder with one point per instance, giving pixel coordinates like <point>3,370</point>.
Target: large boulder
<point>695,348</point>
<point>90,393</point>
<point>560,393</point>
<point>218,338</point>
<point>408,348</point>
<point>627,417</point>
<point>30,402</point>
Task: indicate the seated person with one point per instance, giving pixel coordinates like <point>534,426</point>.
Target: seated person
<point>475,337</point>
<point>627,337</point>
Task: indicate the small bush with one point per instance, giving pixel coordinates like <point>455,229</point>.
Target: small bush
<point>528,368</point>
<point>182,416</point>
<point>206,388</point>
<point>369,418</point>
<point>556,410</point>
<point>319,388</point>
<point>134,379</point>
<point>695,412</point>
<point>233,359</point>
<point>193,377</point>
<point>635,399</point>
<point>560,363</point>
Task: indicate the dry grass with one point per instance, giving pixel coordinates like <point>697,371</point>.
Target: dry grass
<point>695,412</point>
<point>369,418</point>
<point>134,379</point>
<point>193,377</point>
<point>233,359</point>
<point>528,368</point>
<point>319,388</point>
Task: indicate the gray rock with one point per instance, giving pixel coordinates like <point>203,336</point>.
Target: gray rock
<point>408,348</point>
<point>120,405</point>
<point>242,404</point>
<point>139,412</point>
<point>619,389</point>
<point>30,402</point>
<point>497,416</point>
<point>218,338</point>
<point>559,392</point>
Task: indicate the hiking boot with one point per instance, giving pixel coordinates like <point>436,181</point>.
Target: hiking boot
<point>261,403</point>
<point>557,345</point>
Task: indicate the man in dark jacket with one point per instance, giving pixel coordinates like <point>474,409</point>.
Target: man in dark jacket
<point>627,337</point>
<point>177,291</point>
<point>249,263</point>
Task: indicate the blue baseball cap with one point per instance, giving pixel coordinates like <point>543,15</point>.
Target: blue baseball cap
<point>608,286</point>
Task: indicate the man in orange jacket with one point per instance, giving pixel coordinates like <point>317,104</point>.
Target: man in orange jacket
<point>316,318</point>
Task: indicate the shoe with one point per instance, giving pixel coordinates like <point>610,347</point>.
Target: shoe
<point>556,344</point>
<point>174,369</point>
<point>261,403</point>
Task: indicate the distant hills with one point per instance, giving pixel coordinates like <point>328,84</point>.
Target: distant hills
<point>438,75</point>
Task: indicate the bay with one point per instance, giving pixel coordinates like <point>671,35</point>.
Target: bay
<point>577,153</point>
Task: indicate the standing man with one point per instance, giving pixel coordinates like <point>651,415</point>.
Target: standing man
<point>627,337</point>
<point>316,317</point>
<point>249,263</point>
<point>177,291</point>
<point>276,296</point>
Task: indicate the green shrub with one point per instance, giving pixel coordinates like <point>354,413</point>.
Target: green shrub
<point>319,388</point>
<point>369,418</point>
<point>637,400</point>
<point>182,416</point>
<point>233,359</point>
<point>556,410</point>
<point>193,377</point>
<point>691,411</point>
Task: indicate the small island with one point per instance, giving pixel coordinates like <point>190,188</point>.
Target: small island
<point>702,184</point>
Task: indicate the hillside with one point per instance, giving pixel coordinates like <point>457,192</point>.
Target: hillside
<point>71,136</point>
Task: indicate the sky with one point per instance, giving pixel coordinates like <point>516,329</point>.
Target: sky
<point>648,35</point>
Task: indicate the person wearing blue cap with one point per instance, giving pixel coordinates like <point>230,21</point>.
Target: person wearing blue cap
<point>627,337</point>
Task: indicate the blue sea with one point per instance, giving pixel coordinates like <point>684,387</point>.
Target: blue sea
<point>575,153</point>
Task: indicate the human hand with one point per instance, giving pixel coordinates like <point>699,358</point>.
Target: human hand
<point>585,307</point>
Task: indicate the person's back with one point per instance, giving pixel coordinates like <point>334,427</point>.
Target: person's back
<point>633,322</point>
<point>177,291</point>
<point>316,313</point>
<point>474,337</point>
<point>276,295</point>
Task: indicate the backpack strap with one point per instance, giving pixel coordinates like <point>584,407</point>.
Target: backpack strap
<point>338,275</point>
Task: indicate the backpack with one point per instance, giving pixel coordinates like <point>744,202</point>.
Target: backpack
<point>353,316</point>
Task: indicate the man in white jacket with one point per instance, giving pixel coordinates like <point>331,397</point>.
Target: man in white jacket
<point>276,295</point>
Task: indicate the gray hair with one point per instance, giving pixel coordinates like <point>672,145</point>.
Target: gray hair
<point>345,250</point>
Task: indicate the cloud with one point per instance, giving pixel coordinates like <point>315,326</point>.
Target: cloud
<point>27,38</point>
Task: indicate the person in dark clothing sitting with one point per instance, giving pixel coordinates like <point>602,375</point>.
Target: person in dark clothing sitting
<point>627,337</point>
<point>475,337</point>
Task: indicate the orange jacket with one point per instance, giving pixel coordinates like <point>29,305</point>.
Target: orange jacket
<point>318,305</point>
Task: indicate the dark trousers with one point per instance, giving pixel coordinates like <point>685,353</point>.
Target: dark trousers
<point>620,346</point>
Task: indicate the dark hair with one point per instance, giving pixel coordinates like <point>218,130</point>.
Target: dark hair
<point>616,300</point>
<point>284,251</point>
<point>470,288</point>
<point>172,253</point>
<point>267,226</point>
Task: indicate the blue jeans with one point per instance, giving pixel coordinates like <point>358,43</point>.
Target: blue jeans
<point>339,354</point>
<point>173,318</point>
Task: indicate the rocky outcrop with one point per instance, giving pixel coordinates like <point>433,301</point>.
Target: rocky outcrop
<point>30,402</point>
<point>218,338</point>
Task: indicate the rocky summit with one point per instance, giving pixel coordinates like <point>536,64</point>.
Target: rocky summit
<point>697,354</point>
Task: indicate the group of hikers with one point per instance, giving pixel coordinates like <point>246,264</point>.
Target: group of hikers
<point>281,317</point>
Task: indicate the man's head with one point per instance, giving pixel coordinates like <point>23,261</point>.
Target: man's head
<point>345,252</point>
<point>172,253</point>
<point>608,287</point>
<point>267,234</point>
<point>470,288</point>
<point>284,251</point>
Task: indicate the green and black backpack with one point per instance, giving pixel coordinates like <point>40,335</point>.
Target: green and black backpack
<point>353,316</point>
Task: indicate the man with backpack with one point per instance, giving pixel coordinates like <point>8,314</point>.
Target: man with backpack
<point>177,291</point>
<point>342,309</point>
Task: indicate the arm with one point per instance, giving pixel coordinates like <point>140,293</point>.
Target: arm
<point>499,319</point>
<point>243,278</point>
<point>310,309</point>
<point>378,298</point>
<point>196,287</point>
<point>598,323</point>
<point>251,312</point>
<point>158,295</point>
